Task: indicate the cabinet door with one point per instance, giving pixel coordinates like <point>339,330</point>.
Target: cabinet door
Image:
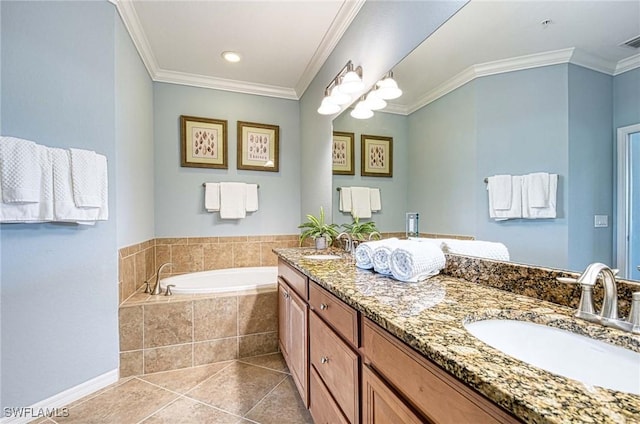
<point>298,345</point>
<point>283,319</point>
<point>381,405</point>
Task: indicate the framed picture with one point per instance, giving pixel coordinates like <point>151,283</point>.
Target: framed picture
<point>258,146</point>
<point>342,153</point>
<point>204,142</point>
<point>377,156</point>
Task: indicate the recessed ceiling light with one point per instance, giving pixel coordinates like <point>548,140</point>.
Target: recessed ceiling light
<point>230,56</point>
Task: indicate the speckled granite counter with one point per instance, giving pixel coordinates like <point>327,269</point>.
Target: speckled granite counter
<point>429,316</point>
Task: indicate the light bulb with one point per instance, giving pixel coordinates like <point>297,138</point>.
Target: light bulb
<point>327,107</point>
<point>374,101</point>
<point>388,89</point>
<point>361,111</point>
<point>338,97</point>
<point>351,83</point>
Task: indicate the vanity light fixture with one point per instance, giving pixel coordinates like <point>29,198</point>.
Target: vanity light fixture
<point>328,107</point>
<point>387,87</point>
<point>373,101</point>
<point>362,111</point>
<point>230,56</point>
<point>340,89</point>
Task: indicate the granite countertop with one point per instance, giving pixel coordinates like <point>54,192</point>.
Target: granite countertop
<point>429,316</point>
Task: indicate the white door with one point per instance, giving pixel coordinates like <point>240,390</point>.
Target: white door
<point>628,233</point>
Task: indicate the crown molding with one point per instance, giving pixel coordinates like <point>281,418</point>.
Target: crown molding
<point>132,24</point>
<point>627,64</point>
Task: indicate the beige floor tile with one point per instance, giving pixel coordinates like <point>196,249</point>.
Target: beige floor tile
<point>257,344</point>
<point>187,411</point>
<point>183,380</point>
<point>237,388</point>
<point>126,403</point>
<point>282,406</point>
<point>273,361</point>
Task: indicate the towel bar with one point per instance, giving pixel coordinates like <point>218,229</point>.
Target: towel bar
<point>205,184</point>
<point>340,188</point>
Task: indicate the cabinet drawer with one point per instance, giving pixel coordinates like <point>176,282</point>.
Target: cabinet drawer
<point>337,366</point>
<point>294,278</point>
<point>323,409</point>
<point>435,393</point>
<point>340,316</point>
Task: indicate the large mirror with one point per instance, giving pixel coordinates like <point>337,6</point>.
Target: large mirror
<point>508,87</point>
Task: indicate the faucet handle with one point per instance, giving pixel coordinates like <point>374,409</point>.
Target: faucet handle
<point>147,287</point>
<point>567,280</point>
<point>634,313</point>
<point>168,290</point>
<point>585,307</point>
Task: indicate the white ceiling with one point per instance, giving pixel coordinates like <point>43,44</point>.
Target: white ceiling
<point>285,42</point>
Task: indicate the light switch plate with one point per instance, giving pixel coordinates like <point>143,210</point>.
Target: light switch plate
<point>600,221</point>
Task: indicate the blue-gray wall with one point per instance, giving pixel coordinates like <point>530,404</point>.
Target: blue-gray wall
<point>68,81</point>
<point>179,195</point>
<point>394,201</point>
<point>626,92</point>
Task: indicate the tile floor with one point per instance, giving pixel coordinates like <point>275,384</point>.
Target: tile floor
<point>248,390</point>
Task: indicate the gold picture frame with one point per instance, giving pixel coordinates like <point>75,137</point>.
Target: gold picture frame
<point>342,153</point>
<point>258,146</point>
<point>376,156</point>
<point>203,142</point>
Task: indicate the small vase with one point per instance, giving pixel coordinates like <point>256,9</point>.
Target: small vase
<point>321,243</point>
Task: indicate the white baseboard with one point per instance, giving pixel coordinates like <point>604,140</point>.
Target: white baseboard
<point>59,400</point>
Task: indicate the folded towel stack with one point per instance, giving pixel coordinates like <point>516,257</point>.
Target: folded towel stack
<point>360,201</point>
<point>232,200</point>
<point>478,248</point>
<point>364,252</point>
<point>414,261</point>
<point>382,256</point>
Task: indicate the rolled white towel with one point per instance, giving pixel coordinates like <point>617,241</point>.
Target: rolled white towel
<point>414,261</point>
<point>364,252</point>
<point>382,256</point>
<point>479,248</point>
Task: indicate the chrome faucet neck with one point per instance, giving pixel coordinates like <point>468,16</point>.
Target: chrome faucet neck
<point>157,289</point>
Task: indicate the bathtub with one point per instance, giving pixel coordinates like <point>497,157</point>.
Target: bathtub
<point>224,280</point>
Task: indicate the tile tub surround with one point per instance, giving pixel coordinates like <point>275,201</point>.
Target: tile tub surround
<point>139,262</point>
<point>429,317</point>
<point>181,331</point>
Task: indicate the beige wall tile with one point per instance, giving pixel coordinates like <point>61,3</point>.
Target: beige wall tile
<point>235,239</point>
<point>168,358</point>
<point>257,344</point>
<point>187,258</point>
<point>141,268</point>
<point>258,313</point>
<point>130,320</point>
<point>171,241</point>
<point>128,276</point>
<point>167,324</point>
<point>150,262</point>
<point>131,363</point>
<point>215,318</point>
<point>215,351</point>
<point>217,256</point>
<point>163,255</point>
<point>246,254</point>
<point>203,240</point>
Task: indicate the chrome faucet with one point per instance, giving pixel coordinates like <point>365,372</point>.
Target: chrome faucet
<point>608,315</point>
<point>157,289</point>
<point>349,243</point>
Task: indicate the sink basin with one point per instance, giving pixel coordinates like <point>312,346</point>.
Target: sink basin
<point>590,361</point>
<point>322,257</point>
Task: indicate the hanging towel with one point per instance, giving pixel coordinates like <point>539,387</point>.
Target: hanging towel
<point>345,199</point>
<point>32,212</point>
<point>360,202</point>
<point>64,207</point>
<point>515,209</point>
<point>21,166</point>
<point>364,252</point>
<point>531,212</point>
<point>414,261</point>
<point>233,200</point>
<point>538,189</point>
<point>500,192</point>
<point>376,203</point>
<point>252,197</point>
<point>478,248</point>
<point>382,256</point>
<point>212,197</point>
<point>84,178</point>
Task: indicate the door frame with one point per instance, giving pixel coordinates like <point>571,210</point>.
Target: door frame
<point>623,199</point>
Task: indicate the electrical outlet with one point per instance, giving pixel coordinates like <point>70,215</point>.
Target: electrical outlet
<point>601,221</point>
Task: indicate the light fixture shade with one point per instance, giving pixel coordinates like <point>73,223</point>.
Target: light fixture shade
<point>374,102</point>
<point>327,107</point>
<point>351,83</point>
<point>338,97</point>
<point>361,111</point>
<point>388,89</point>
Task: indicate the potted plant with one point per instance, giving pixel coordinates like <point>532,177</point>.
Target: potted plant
<point>360,231</point>
<point>317,229</point>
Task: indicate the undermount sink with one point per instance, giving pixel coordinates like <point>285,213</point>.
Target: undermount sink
<point>590,361</point>
<point>322,257</point>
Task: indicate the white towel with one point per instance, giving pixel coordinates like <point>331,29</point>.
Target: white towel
<point>42,210</point>
<point>500,192</point>
<point>376,203</point>
<point>382,256</point>
<point>364,252</point>
<point>537,189</point>
<point>233,200</point>
<point>515,210</point>
<point>478,248</point>
<point>212,197</point>
<point>345,199</point>
<point>531,212</point>
<point>20,170</point>
<point>252,197</point>
<point>360,202</point>
<point>85,178</point>
<point>414,261</point>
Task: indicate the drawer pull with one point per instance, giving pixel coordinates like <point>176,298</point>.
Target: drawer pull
<point>324,360</point>
<point>323,306</point>
<point>285,295</point>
